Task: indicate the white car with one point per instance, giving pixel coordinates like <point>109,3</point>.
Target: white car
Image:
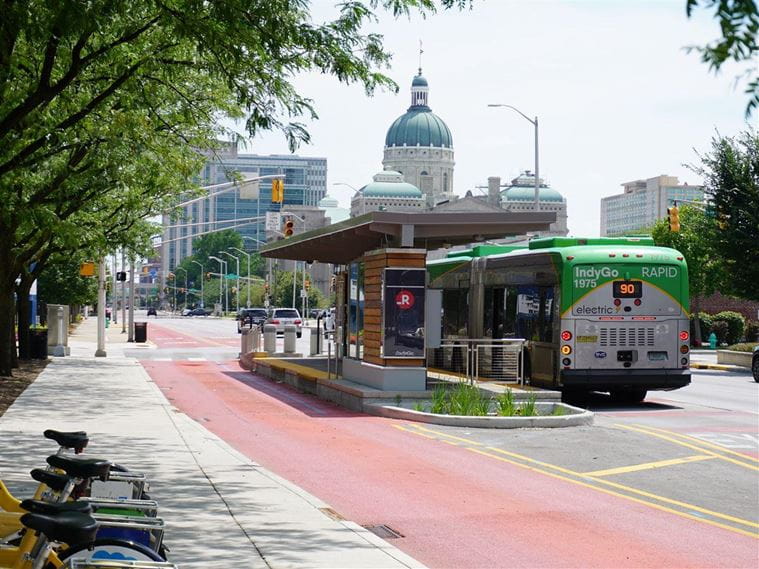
<point>284,316</point>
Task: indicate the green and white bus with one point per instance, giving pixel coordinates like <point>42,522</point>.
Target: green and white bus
<point>597,314</point>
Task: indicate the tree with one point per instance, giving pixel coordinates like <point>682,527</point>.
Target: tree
<point>60,283</point>
<point>731,182</point>
<point>695,240</point>
<point>103,103</point>
<point>739,22</point>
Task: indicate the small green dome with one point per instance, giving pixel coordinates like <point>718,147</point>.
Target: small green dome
<point>419,81</point>
<point>419,127</point>
<point>527,194</point>
<point>390,184</point>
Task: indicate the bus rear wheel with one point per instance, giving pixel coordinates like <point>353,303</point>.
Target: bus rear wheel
<point>628,394</point>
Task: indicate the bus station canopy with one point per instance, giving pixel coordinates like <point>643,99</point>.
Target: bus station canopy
<point>348,240</point>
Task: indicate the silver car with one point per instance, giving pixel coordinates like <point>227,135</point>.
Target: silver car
<point>284,316</point>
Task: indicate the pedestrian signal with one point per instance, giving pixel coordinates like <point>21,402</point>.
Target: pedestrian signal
<point>673,217</point>
<point>121,276</point>
<point>289,227</point>
<point>277,190</point>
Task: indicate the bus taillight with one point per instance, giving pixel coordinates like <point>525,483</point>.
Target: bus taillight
<point>684,349</point>
<point>566,350</point>
<point>684,335</point>
<point>566,335</point>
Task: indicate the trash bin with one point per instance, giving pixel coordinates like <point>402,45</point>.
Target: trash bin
<point>141,332</point>
<point>38,344</point>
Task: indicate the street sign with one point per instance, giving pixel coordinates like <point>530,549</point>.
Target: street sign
<point>273,221</point>
<point>303,293</point>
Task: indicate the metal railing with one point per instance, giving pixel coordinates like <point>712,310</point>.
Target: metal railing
<point>479,359</point>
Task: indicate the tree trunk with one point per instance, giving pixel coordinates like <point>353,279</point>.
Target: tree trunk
<point>697,321</point>
<point>7,336</point>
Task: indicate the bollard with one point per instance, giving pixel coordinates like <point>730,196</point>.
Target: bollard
<point>270,338</point>
<point>314,343</point>
<point>290,338</point>
<point>255,339</point>
<point>244,343</point>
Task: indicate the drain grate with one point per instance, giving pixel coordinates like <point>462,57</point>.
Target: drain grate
<point>385,532</point>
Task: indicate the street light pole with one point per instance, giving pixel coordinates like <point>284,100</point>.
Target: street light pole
<point>202,278</point>
<point>238,273</point>
<point>222,279</point>
<point>237,296</point>
<point>534,122</point>
<point>355,192</point>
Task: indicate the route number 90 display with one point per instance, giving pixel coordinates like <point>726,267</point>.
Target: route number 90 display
<point>627,289</point>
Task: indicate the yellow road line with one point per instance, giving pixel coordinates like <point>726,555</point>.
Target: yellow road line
<point>649,465</point>
<point>401,428</point>
<point>616,485</point>
<point>687,445</point>
<point>619,495</point>
<point>700,441</point>
<point>455,438</point>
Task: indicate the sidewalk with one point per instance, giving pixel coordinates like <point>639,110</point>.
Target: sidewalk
<point>221,509</point>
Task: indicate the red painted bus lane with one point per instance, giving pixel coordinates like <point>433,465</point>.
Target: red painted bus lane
<point>454,507</point>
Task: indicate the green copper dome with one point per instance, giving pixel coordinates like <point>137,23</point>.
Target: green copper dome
<point>390,184</point>
<point>419,127</point>
<point>524,194</point>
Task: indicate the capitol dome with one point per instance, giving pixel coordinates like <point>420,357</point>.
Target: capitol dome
<point>419,126</point>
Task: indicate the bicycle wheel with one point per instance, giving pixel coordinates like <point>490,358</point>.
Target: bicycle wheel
<point>110,549</point>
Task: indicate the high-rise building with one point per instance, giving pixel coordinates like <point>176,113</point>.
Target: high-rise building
<point>643,202</point>
<point>305,183</point>
<point>419,145</point>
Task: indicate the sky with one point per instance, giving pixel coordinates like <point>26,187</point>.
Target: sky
<point>616,95</point>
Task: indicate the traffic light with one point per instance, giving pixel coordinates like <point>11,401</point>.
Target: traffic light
<point>266,288</point>
<point>673,217</point>
<point>121,276</point>
<point>308,284</point>
<point>289,227</point>
<point>277,190</point>
<point>332,283</point>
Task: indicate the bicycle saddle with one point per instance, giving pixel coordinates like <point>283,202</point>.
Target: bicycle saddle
<point>54,508</point>
<point>52,480</point>
<point>81,467</point>
<point>76,440</point>
<point>66,527</point>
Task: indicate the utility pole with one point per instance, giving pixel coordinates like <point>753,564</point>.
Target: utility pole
<point>100,352</point>
<point>123,294</point>
<point>130,337</point>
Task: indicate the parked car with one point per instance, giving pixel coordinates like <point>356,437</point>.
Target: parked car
<point>284,316</point>
<point>198,312</point>
<point>251,317</point>
<point>755,364</point>
<point>152,311</point>
<point>314,313</point>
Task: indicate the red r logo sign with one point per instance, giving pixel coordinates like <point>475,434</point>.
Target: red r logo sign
<point>404,299</point>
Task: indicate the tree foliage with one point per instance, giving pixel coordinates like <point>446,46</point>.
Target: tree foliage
<point>60,283</point>
<point>103,104</point>
<point>730,171</point>
<point>739,23</point>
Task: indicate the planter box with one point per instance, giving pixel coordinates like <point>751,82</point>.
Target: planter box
<point>734,358</point>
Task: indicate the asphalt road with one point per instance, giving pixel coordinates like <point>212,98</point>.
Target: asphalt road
<point>670,482</point>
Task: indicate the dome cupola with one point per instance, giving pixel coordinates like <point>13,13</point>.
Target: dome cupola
<point>419,126</point>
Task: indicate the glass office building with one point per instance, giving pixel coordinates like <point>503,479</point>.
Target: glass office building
<point>244,208</point>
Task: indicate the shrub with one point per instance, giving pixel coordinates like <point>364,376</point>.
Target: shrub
<point>736,324</point>
<point>752,331</point>
<point>706,325</point>
<point>743,347</point>
<point>505,404</point>
<point>719,327</point>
